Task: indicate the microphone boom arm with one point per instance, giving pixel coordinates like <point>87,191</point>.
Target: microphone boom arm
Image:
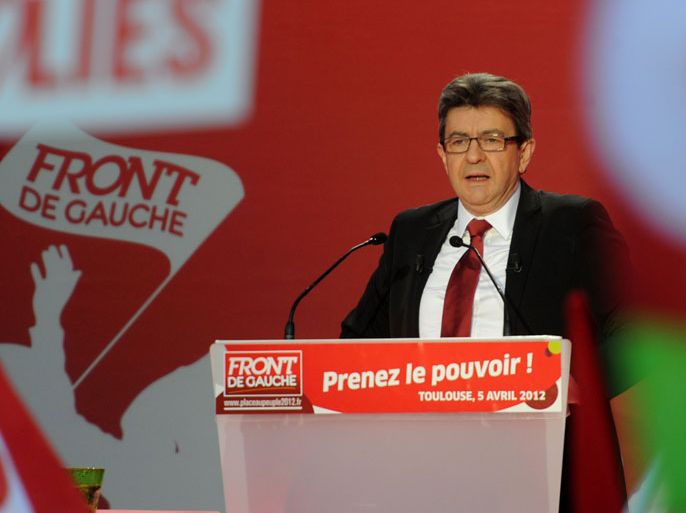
<point>456,241</point>
<point>289,332</point>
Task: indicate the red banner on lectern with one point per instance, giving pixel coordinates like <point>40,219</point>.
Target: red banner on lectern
<point>389,377</point>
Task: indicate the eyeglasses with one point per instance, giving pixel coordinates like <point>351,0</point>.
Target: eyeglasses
<point>487,142</point>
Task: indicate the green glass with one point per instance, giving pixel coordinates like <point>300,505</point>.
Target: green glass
<point>89,481</point>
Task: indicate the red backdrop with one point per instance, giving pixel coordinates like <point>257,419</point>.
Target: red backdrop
<point>340,136</point>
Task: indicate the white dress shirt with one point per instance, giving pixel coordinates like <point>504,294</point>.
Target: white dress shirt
<point>488,310</point>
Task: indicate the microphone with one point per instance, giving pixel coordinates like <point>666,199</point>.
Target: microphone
<point>514,264</point>
<point>457,242</point>
<point>374,240</point>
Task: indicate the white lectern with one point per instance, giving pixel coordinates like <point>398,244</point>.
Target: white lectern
<point>391,426</point>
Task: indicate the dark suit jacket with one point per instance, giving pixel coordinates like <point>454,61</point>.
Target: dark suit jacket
<point>559,243</point>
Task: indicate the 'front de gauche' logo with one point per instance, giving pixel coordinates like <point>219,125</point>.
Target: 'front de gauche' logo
<point>263,373</point>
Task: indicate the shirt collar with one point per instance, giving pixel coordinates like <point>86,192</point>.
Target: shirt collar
<point>502,219</point>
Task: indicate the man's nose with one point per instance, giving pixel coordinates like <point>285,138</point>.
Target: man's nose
<point>474,152</point>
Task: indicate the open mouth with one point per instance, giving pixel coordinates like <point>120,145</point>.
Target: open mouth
<point>477,178</point>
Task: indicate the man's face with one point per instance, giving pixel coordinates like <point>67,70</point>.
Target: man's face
<point>484,181</point>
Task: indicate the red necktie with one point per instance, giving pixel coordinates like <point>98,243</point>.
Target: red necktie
<point>459,296</point>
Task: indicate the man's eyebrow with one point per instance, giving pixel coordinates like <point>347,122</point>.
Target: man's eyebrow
<point>456,133</point>
<point>488,131</point>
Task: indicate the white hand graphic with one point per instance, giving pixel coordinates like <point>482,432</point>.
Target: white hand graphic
<point>55,287</point>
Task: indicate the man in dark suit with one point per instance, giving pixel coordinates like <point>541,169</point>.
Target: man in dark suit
<point>539,245</point>
<point>545,246</point>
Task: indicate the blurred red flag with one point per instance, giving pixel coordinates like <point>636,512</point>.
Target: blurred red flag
<point>597,479</point>
<point>32,479</point>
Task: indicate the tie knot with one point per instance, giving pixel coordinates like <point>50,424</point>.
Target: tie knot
<point>477,227</point>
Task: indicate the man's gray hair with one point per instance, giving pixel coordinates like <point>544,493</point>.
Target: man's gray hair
<point>486,90</point>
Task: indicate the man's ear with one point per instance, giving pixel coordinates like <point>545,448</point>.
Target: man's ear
<point>526,153</point>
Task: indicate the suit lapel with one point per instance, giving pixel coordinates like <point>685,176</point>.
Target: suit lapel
<point>524,238</point>
<point>432,238</point>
